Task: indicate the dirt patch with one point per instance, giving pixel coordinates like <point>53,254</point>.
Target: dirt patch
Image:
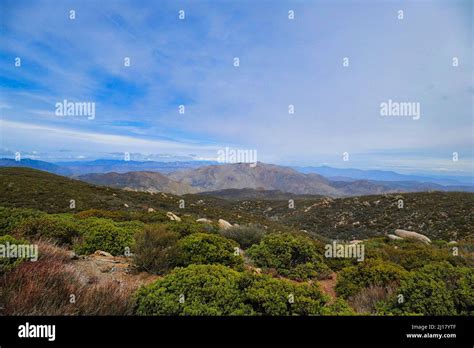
<point>328,285</point>
<point>98,268</point>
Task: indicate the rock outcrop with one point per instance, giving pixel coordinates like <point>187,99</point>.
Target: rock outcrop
<point>224,225</point>
<point>412,235</point>
<point>173,217</point>
<point>394,237</point>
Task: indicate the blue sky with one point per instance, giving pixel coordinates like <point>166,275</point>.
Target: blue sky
<point>282,62</point>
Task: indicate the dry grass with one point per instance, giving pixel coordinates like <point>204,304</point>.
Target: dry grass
<point>45,287</point>
<point>365,301</point>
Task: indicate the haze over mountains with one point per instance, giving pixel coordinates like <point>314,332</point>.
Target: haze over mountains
<point>350,174</point>
<point>262,180</point>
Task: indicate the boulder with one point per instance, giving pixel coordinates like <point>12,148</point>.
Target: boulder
<point>355,241</point>
<point>102,253</point>
<point>204,220</point>
<point>151,210</point>
<point>394,237</point>
<point>224,225</point>
<point>412,235</point>
<point>173,217</point>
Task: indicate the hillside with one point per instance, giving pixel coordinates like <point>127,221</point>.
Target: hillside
<point>253,194</point>
<point>439,215</point>
<point>35,164</point>
<point>30,188</point>
<point>139,181</point>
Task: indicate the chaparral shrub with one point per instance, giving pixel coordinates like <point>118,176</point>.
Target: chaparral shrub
<point>194,290</point>
<point>220,290</point>
<point>246,236</point>
<point>204,248</point>
<point>155,249</point>
<point>436,289</point>
<point>371,272</point>
<point>12,217</point>
<point>270,296</point>
<point>291,255</point>
<point>62,229</point>
<point>104,234</point>
<point>7,262</point>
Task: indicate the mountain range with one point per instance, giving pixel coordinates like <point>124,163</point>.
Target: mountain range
<point>262,180</point>
<point>351,174</point>
<point>224,180</point>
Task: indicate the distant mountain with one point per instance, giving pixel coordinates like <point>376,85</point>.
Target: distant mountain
<point>35,164</point>
<point>287,180</point>
<point>119,166</point>
<point>350,174</point>
<point>262,176</point>
<point>139,181</point>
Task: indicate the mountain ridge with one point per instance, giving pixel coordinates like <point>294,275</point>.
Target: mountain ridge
<point>189,178</point>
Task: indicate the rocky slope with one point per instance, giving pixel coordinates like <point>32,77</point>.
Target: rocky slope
<point>139,181</point>
<point>261,176</point>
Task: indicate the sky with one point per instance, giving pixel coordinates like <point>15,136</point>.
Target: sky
<point>283,62</point>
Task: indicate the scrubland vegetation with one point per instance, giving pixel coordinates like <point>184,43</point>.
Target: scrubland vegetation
<point>261,267</point>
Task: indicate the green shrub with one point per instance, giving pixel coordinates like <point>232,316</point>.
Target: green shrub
<point>246,236</point>
<point>194,290</point>
<point>459,281</point>
<point>117,215</point>
<point>155,249</point>
<point>219,290</point>
<point>59,228</point>
<point>422,294</point>
<point>10,218</point>
<point>408,254</point>
<point>104,214</point>
<point>104,234</point>
<point>371,272</point>
<point>270,296</point>
<point>204,248</point>
<point>464,292</point>
<point>338,307</point>
<point>436,289</point>
<point>131,226</point>
<point>291,255</point>
<point>8,263</point>
<point>186,228</point>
